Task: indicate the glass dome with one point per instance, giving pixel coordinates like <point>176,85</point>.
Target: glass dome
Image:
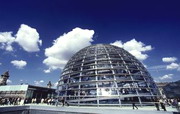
<point>106,75</point>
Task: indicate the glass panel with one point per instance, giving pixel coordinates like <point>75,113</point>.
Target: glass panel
<point>88,78</point>
<point>144,91</point>
<point>76,69</point>
<point>125,84</point>
<point>103,62</point>
<point>72,98</point>
<point>114,56</point>
<point>89,102</point>
<point>106,77</point>
<point>74,79</point>
<point>146,99</point>
<point>73,87</point>
<point>109,101</point>
<point>138,77</point>
<point>120,71</point>
<point>89,63</point>
<point>88,92</point>
<point>88,67</point>
<point>132,67</point>
<point>88,72</point>
<point>101,51</point>
<point>107,91</point>
<point>118,66</point>
<point>91,85</point>
<point>107,71</point>
<point>103,66</point>
<point>89,58</point>
<point>142,84</point>
<point>124,91</point>
<point>75,74</point>
<point>106,84</point>
<point>103,56</point>
<point>135,71</point>
<point>123,77</point>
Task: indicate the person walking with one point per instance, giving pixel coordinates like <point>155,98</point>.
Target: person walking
<point>162,104</point>
<point>56,102</point>
<point>42,100</point>
<point>157,104</point>
<point>133,104</point>
<point>175,103</point>
<point>64,102</point>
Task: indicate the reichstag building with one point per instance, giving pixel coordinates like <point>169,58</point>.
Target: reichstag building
<point>102,74</point>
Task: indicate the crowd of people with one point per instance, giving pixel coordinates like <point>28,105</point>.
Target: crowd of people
<point>11,101</point>
<point>21,101</point>
<point>161,103</point>
<point>48,101</point>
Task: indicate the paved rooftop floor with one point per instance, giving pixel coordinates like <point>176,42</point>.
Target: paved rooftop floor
<point>97,110</point>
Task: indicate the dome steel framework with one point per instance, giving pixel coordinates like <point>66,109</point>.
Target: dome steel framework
<point>106,75</point>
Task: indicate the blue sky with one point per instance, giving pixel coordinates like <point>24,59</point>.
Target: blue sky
<point>37,37</point>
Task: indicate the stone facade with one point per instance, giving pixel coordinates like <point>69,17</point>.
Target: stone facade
<point>4,77</point>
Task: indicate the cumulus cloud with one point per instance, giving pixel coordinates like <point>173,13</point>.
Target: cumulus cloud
<point>6,40</point>
<point>40,82</point>
<point>28,38</point>
<point>9,81</point>
<point>65,46</point>
<point>55,84</point>
<point>169,59</point>
<point>20,64</point>
<point>134,47</point>
<point>165,77</point>
<point>173,66</point>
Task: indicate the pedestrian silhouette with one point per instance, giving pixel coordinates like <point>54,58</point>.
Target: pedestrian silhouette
<point>157,104</point>
<point>162,104</point>
<point>64,102</point>
<point>133,104</point>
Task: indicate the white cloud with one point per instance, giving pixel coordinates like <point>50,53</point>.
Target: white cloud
<point>117,43</point>
<point>6,40</point>
<point>173,66</point>
<point>55,84</point>
<point>0,63</point>
<point>9,81</point>
<point>28,38</point>
<point>165,77</point>
<point>20,64</point>
<point>157,67</point>
<point>47,71</point>
<point>134,47</point>
<point>65,46</point>
<point>40,82</point>
<point>169,59</point>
